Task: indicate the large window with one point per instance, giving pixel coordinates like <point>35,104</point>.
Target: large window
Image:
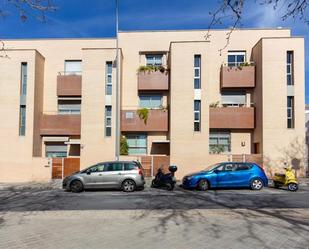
<point>22,120</point>
<point>197,71</point>
<point>154,59</point>
<point>55,149</point>
<point>219,142</point>
<point>290,112</point>
<point>24,69</point>
<point>137,144</point>
<point>72,67</point>
<point>108,121</point>
<point>236,58</point>
<point>69,106</point>
<point>150,101</point>
<point>108,80</point>
<point>289,68</point>
<point>233,99</point>
<point>197,115</point>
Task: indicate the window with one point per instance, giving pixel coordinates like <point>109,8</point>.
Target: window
<point>233,99</point>
<point>219,142</point>
<point>150,101</point>
<point>130,166</point>
<point>154,59</point>
<point>73,67</point>
<point>113,167</point>
<point>54,149</point>
<point>243,166</point>
<point>96,168</point>
<point>290,112</point>
<point>23,88</point>
<point>230,167</point>
<point>236,58</point>
<point>22,120</point>
<point>197,71</point>
<point>137,144</point>
<point>108,80</point>
<point>108,121</point>
<point>197,115</point>
<point>290,68</point>
<point>69,106</point>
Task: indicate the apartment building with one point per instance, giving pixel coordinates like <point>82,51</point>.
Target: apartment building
<point>182,101</point>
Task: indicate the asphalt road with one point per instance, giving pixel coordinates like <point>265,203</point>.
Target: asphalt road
<point>152,199</point>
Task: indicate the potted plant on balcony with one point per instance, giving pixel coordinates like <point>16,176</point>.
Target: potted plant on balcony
<point>215,104</point>
<point>151,68</point>
<point>143,114</point>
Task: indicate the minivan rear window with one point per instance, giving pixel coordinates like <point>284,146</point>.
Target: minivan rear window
<point>130,166</point>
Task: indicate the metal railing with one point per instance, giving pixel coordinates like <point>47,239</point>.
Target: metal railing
<point>64,73</point>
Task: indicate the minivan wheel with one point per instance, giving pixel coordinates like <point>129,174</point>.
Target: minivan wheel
<point>76,186</point>
<point>203,185</point>
<point>128,186</point>
<point>256,184</point>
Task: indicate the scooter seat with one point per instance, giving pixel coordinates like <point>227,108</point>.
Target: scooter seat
<point>278,174</point>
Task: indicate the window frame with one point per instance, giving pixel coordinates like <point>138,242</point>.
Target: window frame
<point>108,85</point>
<point>154,59</point>
<point>72,72</point>
<point>22,120</point>
<point>197,68</point>
<point>136,137</point>
<point>108,119</point>
<point>290,112</point>
<point>69,111</point>
<point>198,120</point>
<point>220,135</point>
<point>151,100</point>
<point>236,63</point>
<point>290,68</point>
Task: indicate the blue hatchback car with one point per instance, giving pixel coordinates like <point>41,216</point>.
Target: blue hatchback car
<point>227,175</point>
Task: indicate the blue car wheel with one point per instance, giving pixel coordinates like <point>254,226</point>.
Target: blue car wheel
<point>256,184</point>
<point>203,185</point>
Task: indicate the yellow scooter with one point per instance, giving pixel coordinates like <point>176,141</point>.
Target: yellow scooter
<point>288,179</point>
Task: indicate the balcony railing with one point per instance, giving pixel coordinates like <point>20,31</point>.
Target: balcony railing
<point>231,118</point>
<point>60,124</point>
<point>69,84</point>
<point>157,121</point>
<point>155,80</point>
<point>238,77</point>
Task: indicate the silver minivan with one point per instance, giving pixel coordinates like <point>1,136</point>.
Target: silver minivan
<point>125,175</point>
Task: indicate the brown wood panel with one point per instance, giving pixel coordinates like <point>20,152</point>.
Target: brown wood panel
<point>161,162</point>
<point>157,121</point>
<point>60,124</point>
<point>56,168</point>
<point>152,81</point>
<point>231,118</point>
<point>254,158</point>
<point>237,77</point>
<point>69,85</point>
<point>71,165</point>
<point>146,164</point>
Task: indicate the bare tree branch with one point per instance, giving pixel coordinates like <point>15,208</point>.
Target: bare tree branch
<point>234,9</point>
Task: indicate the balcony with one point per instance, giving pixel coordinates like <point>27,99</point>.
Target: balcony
<point>69,85</point>
<point>58,124</point>
<point>238,77</point>
<point>157,121</point>
<point>153,81</point>
<point>231,118</point>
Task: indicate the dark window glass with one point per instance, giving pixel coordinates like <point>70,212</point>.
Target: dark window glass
<point>197,60</point>
<point>113,167</point>
<point>130,166</point>
<point>243,167</point>
<point>22,120</point>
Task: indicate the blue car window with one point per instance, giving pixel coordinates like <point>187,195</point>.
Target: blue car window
<point>243,166</point>
<point>230,167</point>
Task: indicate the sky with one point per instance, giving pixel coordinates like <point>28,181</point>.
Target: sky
<point>96,18</point>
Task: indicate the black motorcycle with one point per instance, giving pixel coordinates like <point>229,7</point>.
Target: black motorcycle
<point>166,181</point>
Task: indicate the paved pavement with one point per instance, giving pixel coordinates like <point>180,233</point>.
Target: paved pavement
<point>39,218</point>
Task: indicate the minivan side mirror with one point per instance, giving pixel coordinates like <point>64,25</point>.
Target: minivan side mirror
<point>88,172</point>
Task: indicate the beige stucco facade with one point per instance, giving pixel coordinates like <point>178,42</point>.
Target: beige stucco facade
<point>268,137</point>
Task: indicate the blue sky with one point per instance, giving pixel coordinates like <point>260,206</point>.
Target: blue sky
<point>96,18</point>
